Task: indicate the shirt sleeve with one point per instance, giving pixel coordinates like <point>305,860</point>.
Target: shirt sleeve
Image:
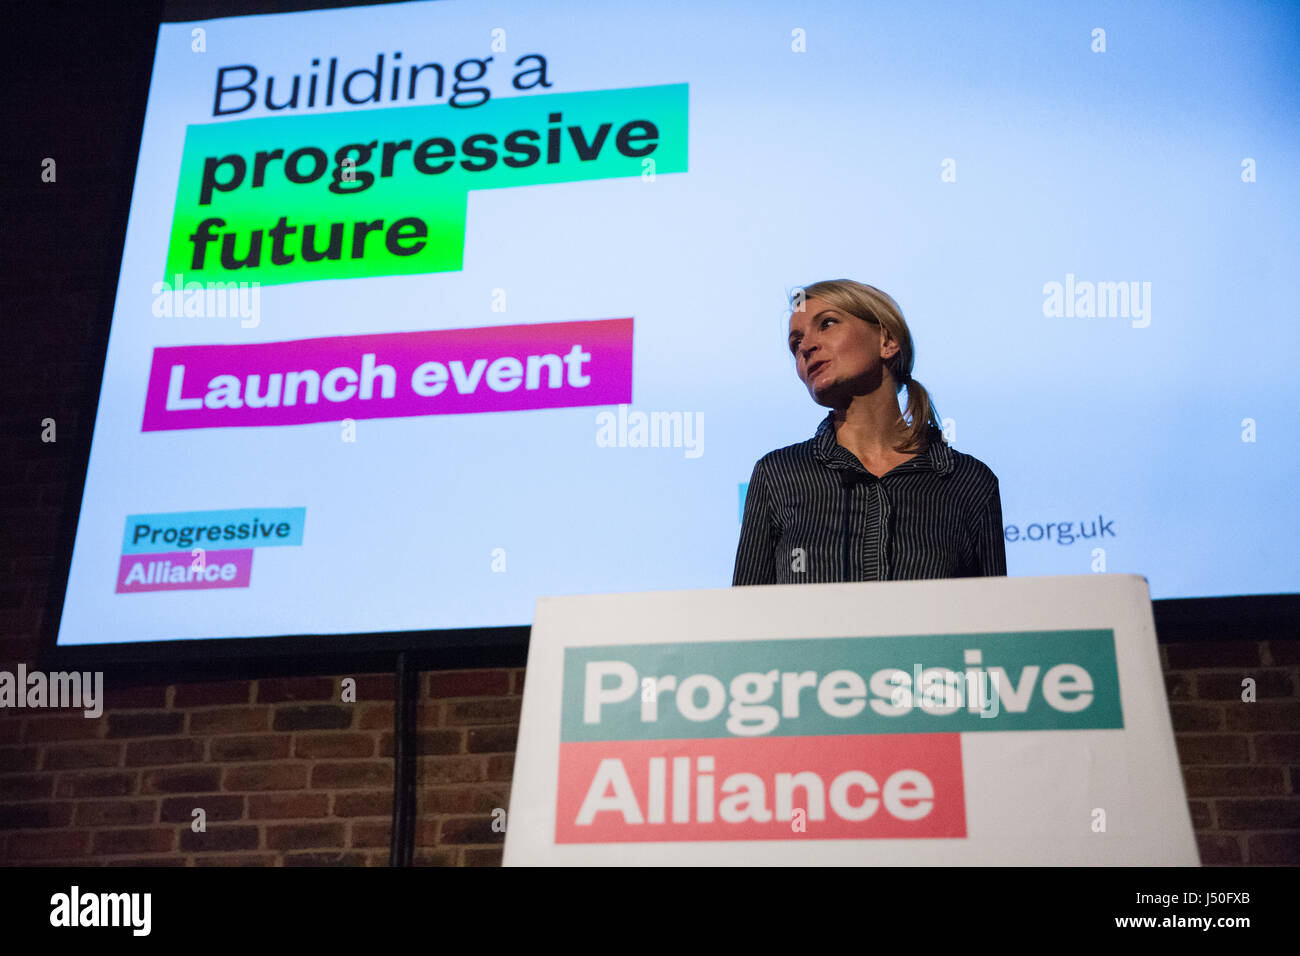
<point>990,543</point>
<point>754,553</point>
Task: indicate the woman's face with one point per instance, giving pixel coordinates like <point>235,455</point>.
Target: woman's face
<point>837,355</point>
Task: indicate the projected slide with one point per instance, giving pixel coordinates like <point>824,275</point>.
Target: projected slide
<point>427,310</point>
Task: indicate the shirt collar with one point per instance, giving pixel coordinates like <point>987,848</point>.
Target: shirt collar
<point>938,457</point>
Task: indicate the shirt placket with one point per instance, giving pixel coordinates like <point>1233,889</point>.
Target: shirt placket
<point>875,534</point>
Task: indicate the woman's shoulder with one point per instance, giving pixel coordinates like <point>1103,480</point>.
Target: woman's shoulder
<point>966,468</point>
<point>787,456</point>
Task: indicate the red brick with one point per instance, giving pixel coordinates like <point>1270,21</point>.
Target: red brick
<point>186,780</point>
<point>426,833</point>
<point>1279,814</point>
<point>375,687</point>
<point>504,711</point>
<point>368,834</point>
<point>95,784</point>
<point>1205,654</point>
<point>1218,850</point>
<point>230,720</point>
<point>333,858</point>
<point>208,694</point>
<point>27,786</point>
<point>314,717</point>
<point>375,717</point>
<point>217,808</point>
<point>378,803</point>
<point>117,842</point>
<point>11,728</point>
<point>1233,781</point>
<point>428,743</point>
<point>153,697</point>
<point>1194,717</point>
<point>1227,685</point>
<point>113,813</point>
<point>155,753</point>
<point>430,714</point>
<point>1277,748</point>
<point>280,689</point>
<point>517,684</point>
<point>145,724</point>
<point>481,856</point>
<point>1262,715</point>
<point>442,800</point>
<point>40,729</point>
<point>250,747</point>
<point>333,745</point>
<point>32,816</point>
<point>477,683</point>
<point>493,740</point>
<point>15,759</point>
<point>283,776</point>
<point>77,756</point>
<point>304,836</point>
<point>352,775</point>
<point>287,806</point>
<point>220,838</point>
<point>1275,848</point>
<point>469,830</point>
<point>458,769</point>
<point>54,845</point>
<point>501,768</point>
<point>1211,748</point>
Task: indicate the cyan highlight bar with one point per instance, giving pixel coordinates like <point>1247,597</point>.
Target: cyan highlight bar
<point>226,528</point>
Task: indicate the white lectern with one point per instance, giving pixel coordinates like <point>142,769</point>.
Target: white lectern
<point>969,721</point>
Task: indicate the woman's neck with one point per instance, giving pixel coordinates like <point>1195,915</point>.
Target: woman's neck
<point>870,427</point>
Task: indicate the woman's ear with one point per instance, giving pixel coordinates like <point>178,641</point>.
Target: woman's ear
<point>888,344</point>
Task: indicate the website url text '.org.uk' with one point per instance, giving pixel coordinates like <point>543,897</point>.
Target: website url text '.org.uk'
<point>1062,532</point>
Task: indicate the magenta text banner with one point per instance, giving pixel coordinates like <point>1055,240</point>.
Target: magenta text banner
<point>177,571</point>
<point>391,375</point>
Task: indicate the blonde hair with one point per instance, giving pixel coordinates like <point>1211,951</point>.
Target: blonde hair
<point>871,305</point>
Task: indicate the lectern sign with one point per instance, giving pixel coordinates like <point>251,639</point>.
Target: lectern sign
<point>690,733</point>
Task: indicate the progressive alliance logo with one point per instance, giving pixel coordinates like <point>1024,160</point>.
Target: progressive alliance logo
<point>198,550</point>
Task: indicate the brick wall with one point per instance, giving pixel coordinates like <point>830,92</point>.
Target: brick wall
<point>288,775</point>
<point>1241,761</point>
<point>285,772</point>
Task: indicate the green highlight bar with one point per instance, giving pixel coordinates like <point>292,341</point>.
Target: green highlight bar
<point>380,192</point>
<point>924,684</point>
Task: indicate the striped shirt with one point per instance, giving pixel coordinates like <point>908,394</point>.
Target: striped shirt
<point>814,514</point>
